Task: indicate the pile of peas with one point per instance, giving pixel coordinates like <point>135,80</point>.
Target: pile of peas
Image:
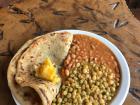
<point>88,84</point>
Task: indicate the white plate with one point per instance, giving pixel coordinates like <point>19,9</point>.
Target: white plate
<point>124,69</point>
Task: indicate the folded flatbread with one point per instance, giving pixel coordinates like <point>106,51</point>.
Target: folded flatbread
<point>24,85</point>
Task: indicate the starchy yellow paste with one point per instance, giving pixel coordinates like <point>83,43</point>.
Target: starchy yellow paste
<point>47,71</point>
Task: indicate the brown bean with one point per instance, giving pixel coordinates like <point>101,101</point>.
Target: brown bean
<point>73,56</point>
<point>70,65</point>
<point>92,46</point>
<point>67,72</point>
<point>76,60</point>
<point>112,57</point>
<point>68,59</point>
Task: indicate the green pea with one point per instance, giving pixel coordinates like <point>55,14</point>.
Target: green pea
<point>96,68</point>
<point>75,72</point>
<point>95,102</point>
<point>87,86</point>
<point>65,92</point>
<point>59,100</point>
<point>99,73</point>
<point>100,96</point>
<point>85,71</point>
<point>97,83</point>
<point>78,65</point>
<point>70,89</point>
<point>83,93</point>
<point>109,98</point>
<point>74,93</point>
<point>63,87</point>
<point>113,89</point>
<point>69,95</point>
<point>94,78</point>
<point>102,101</point>
<point>83,87</point>
<point>81,81</point>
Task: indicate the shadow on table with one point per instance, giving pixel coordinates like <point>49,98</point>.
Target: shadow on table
<point>5,94</point>
<point>134,6</point>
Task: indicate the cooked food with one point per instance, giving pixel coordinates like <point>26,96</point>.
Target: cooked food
<point>29,66</point>
<point>90,74</point>
<point>48,72</point>
<point>87,84</point>
<point>62,69</point>
<point>24,95</point>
